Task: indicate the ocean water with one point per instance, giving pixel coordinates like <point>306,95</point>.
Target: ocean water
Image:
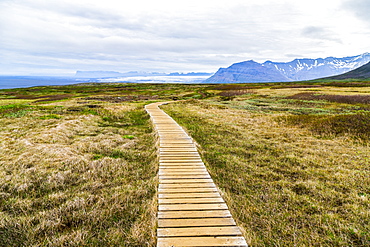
<point>7,82</point>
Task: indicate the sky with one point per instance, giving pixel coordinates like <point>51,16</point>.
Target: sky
<point>59,37</point>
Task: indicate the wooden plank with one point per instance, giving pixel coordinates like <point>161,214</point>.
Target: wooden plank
<point>179,163</point>
<point>199,231</point>
<point>195,222</point>
<point>181,167</point>
<point>192,207</point>
<point>179,153</point>
<point>194,214</point>
<point>162,190</point>
<point>181,171</point>
<point>179,160</point>
<point>185,170</point>
<point>183,176</point>
<point>165,141</point>
<point>185,181</point>
<point>187,185</point>
<point>190,200</point>
<point>177,149</point>
<point>202,241</point>
<point>179,157</point>
<point>189,195</point>
<point>177,145</point>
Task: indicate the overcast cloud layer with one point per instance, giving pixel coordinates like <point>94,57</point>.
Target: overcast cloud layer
<point>60,37</point>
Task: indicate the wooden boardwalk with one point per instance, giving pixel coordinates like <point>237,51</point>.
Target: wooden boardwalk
<point>191,211</point>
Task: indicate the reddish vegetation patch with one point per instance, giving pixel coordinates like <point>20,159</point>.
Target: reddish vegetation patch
<point>296,86</point>
<point>55,97</point>
<point>229,93</point>
<point>45,97</point>
<point>233,87</point>
<point>348,99</point>
<point>118,99</point>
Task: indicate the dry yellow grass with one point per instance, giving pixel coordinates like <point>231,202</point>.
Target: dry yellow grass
<point>284,185</point>
<point>74,178</point>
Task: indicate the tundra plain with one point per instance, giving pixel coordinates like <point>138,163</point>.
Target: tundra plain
<point>78,163</point>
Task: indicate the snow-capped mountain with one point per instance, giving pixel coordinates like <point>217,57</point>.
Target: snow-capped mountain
<point>296,70</point>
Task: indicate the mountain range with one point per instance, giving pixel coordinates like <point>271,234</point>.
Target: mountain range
<point>296,70</point>
<point>114,74</point>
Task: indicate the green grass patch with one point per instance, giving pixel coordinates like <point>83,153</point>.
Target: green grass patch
<point>14,110</point>
<point>128,137</point>
<point>51,116</point>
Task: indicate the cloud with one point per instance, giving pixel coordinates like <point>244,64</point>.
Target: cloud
<point>320,33</point>
<point>165,35</point>
<point>360,8</point>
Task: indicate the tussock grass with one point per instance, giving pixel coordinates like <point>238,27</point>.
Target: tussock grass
<point>70,178</point>
<point>284,186</point>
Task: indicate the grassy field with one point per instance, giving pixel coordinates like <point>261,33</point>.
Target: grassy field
<point>76,172</point>
<point>78,163</point>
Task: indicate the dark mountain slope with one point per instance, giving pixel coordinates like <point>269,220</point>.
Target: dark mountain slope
<point>362,72</point>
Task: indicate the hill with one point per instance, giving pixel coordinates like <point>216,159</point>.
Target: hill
<point>362,72</point>
<point>296,70</point>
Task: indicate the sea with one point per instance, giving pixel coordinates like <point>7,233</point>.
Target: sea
<point>8,82</point>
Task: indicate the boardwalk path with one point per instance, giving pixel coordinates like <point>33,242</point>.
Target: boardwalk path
<point>191,211</point>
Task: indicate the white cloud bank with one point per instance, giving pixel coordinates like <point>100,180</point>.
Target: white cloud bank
<point>59,37</point>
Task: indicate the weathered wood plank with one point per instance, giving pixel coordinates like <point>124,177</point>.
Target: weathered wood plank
<point>178,190</point>
<point>179,154</point>
<point>185,170</point>
<point>179,160</point>
<point>181,207</point>
<point>185,181</point>
<point>194,214</point>
<point>199,231</point>
<point>188,185</point>
<point>190,200</point>
<point>183,176</point>
<point>188,195</point>
<point>195,222</point>
<point>180,163</point>
<point>202,241</point>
